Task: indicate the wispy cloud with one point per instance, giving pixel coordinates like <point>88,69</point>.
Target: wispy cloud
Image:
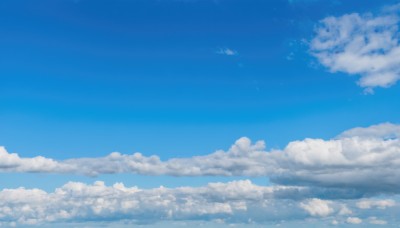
<point>381,204</point>
<point>227,51</point>
<point>354,220</point>
<point>361,44</point>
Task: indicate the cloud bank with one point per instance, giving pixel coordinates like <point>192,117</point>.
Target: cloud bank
<point>242,159</point>
<point>366,159</point>
<point>233,202</point>
<point>361,44</point>
<point>75,201</point>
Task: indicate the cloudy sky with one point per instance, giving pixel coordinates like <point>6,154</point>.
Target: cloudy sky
<point>202,113</point>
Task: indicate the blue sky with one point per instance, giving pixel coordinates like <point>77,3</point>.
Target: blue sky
<point>184,78</point>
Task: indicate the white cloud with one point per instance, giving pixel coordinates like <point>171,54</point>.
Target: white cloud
<point>13,163</point>
<point>227,51</point>
<point>363,160</point>
<point>354,220</point>
<point>233,202</point>
<point>366,162</point>
<point>375,221</point>
<point>344,210</point>
<point>384,130</point>
<point>242,159</point>
<point>361,44</point>
<point>380,204</point>
<point>229,203</point>
<point>317,207</point>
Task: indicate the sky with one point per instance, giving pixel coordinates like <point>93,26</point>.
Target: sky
<point>204,113</point>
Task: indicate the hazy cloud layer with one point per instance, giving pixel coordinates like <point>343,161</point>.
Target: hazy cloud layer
<point>366,159</point>
<point>233,202</point>
<point>236,201</point>
<point>361,44</point>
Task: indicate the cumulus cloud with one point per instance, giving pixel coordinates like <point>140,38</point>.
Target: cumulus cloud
<point>361,44</point>
<point>233,202</point>
<point>380,204</point>
<point>317,207</point>
<point>360,160</point>
<point>368,162</point>
<point>354,220</point>
<point>320,161</point>
<point>344,210</point>
<point>242,159</point>
<point>13,163</point>
<point>316,178</point>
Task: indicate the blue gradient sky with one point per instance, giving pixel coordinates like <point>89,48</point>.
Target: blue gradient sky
<point>90,77</point>
<point>85,78</point>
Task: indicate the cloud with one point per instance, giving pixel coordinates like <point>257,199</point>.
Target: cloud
<point>354,220</point>
<point>380,204</point>
<point>375,221</point>
<point>317,207</point>
<point>361,44</point>
<point>366,162</point>
<point>13,163</point>
<point>384,130</point>
<point>242,159</point>
<point>233,202</point>
<point>360,161</point>
<point>236,202</point>
<point>227,51</point>
<point>344,210</point>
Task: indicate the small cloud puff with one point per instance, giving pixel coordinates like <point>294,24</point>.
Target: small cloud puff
<point>227,51</point>
<point>354,220</point>
<point>317,207</point>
